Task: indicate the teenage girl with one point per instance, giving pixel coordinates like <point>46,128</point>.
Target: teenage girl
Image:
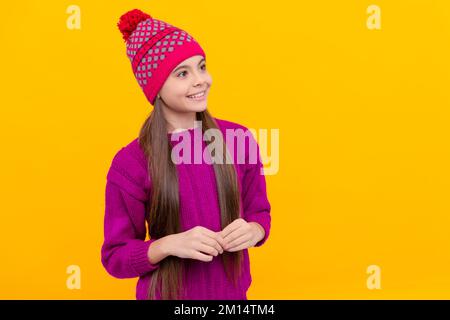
<point>202,216</point>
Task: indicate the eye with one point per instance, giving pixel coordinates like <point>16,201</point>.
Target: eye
<point>203,68</point>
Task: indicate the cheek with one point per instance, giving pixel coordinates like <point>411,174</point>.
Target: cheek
<point>209,80</point>
<point>177,97</point>
<point>181,103</point>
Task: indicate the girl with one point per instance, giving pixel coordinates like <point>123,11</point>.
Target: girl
<point>202,217</point>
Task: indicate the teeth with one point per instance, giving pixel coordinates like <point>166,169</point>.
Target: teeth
<point>197,95</point>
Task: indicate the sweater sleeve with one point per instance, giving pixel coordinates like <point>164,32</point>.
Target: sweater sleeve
<point>256,205</point>
<point>124,250</point>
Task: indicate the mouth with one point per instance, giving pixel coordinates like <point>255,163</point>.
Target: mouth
<point>200,96</point>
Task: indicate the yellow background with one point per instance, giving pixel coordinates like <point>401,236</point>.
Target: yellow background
<point>364,140</point>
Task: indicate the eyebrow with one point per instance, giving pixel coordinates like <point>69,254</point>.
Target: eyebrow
<point>186,66</point>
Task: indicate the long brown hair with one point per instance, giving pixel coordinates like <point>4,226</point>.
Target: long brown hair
<point>162,213</point>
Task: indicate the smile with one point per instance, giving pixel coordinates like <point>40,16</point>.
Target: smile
<point>198,96</point>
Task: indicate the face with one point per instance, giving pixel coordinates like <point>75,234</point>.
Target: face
<point>188,78</point>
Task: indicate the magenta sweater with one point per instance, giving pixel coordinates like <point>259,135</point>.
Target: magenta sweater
<point>124,250</point>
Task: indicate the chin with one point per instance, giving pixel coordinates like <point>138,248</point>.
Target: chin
<point>197,107</point>
<point>202,108</point>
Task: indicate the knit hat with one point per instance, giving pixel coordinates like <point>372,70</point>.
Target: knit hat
<point>154,48</point>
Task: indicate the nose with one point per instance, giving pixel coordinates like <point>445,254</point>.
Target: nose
<point>199,79</point>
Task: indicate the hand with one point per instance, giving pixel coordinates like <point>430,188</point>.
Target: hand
<point>241,234</point>
<point>197,243</point>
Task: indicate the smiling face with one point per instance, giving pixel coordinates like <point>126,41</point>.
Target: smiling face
<point>188,78</point>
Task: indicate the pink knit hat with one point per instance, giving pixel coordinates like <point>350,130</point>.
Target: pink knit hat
<point>154,48</point>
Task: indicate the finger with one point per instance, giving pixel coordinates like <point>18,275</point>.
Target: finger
<point>233,235</point>
<point>214,236</point>
<point>220,241</point>
<point>230,228</point>
<point>242,246</point>
<point>208,241</point>
<point>207,249</point>
<point>202,257</point>
<point>237,242</point>
<point>208,232</point>
<point>212,243</point>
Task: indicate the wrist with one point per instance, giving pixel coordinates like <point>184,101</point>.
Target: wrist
<point>260,230</point>
<point>158,250</point>
<point>165,245</point>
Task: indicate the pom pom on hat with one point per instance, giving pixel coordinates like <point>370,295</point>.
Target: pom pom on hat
<point>129,21</point>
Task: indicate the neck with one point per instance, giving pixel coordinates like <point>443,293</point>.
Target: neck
<point>180,121</point>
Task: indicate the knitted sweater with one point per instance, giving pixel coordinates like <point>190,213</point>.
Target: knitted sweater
<point>124,250</point>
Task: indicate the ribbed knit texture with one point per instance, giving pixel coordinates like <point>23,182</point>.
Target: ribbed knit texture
<point>124,251</point>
